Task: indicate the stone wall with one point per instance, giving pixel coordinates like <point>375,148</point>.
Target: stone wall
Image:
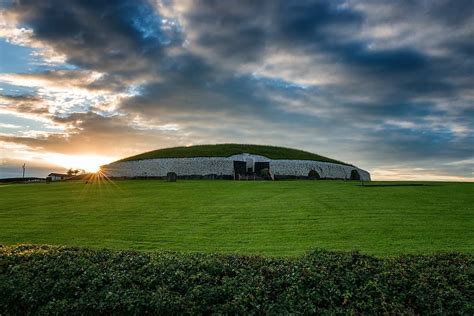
<point>224,166</point>
<point>160,167</point>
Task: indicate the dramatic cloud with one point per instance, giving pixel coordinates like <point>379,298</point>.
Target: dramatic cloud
<point>381,84</point>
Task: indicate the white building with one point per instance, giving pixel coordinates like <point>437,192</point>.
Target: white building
<point>57,176</point>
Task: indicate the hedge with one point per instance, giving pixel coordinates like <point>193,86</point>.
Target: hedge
<point>60,280</point>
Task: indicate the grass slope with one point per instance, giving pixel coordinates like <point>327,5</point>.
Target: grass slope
<point>226,150</point>
<point>273,218</point>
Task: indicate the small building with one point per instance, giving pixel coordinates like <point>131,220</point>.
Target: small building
<point>57,176</point>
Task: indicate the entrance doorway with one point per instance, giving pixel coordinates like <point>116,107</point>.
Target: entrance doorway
<point>240,168</point>
<point>355,175</point>
<point>260,165</point>
<point>313,175</point>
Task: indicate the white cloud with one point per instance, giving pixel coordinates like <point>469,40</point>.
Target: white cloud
<point>13,126</point>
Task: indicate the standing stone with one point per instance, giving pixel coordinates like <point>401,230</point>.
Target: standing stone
<point>171,177</point>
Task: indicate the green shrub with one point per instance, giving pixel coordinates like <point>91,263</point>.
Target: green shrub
<point>59,280</point>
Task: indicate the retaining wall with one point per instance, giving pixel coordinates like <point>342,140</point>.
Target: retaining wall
<point>224,166</point>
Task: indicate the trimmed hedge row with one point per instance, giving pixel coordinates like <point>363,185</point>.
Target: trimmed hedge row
<point>59,280</point>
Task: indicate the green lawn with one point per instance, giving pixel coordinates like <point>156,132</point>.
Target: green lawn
<point>273,218</point>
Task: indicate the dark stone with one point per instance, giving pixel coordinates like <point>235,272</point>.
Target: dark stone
<point>355,175</point>
<point>260,166</point>
<point>171,177</point>
<point>240,168</point>
<point>265,172</point>
<point>313,175</point>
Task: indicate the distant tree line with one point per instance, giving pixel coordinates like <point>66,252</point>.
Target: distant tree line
<point>75,172</point>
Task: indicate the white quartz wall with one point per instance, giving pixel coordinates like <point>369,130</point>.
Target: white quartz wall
<point>324,169</point>
<point>202,166</point>
<point>160,167</point>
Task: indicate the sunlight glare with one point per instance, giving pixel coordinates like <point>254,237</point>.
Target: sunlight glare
<point>90,163</point>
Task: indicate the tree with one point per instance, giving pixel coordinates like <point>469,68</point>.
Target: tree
<point>70,172</point>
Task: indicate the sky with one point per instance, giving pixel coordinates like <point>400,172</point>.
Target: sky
<point>385,85</point>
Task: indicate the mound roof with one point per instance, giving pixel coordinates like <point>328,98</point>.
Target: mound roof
<point>226,150</point>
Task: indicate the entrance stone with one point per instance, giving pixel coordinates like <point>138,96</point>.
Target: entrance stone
<point>355,175</point>
<point>313,175</point>
<point>171,177</point>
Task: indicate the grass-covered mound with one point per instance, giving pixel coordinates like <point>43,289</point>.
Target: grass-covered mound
<point>54,280</point>
<point>226,150</point>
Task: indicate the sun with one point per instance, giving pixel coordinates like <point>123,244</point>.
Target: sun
<point>91,166</point>
<point>90,163</point>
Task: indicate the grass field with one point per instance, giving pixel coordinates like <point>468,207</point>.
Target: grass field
<point>271,218</point>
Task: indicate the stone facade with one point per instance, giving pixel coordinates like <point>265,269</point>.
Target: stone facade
<point>223,167</point>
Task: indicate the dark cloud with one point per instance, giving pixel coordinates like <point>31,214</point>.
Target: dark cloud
<point>112,36</point>
<point>392,61</point>
<point>313,22</point>
<point>229,29</point>
<point>394,78</point>
<point>327,28</point>
<point>24,104</point>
